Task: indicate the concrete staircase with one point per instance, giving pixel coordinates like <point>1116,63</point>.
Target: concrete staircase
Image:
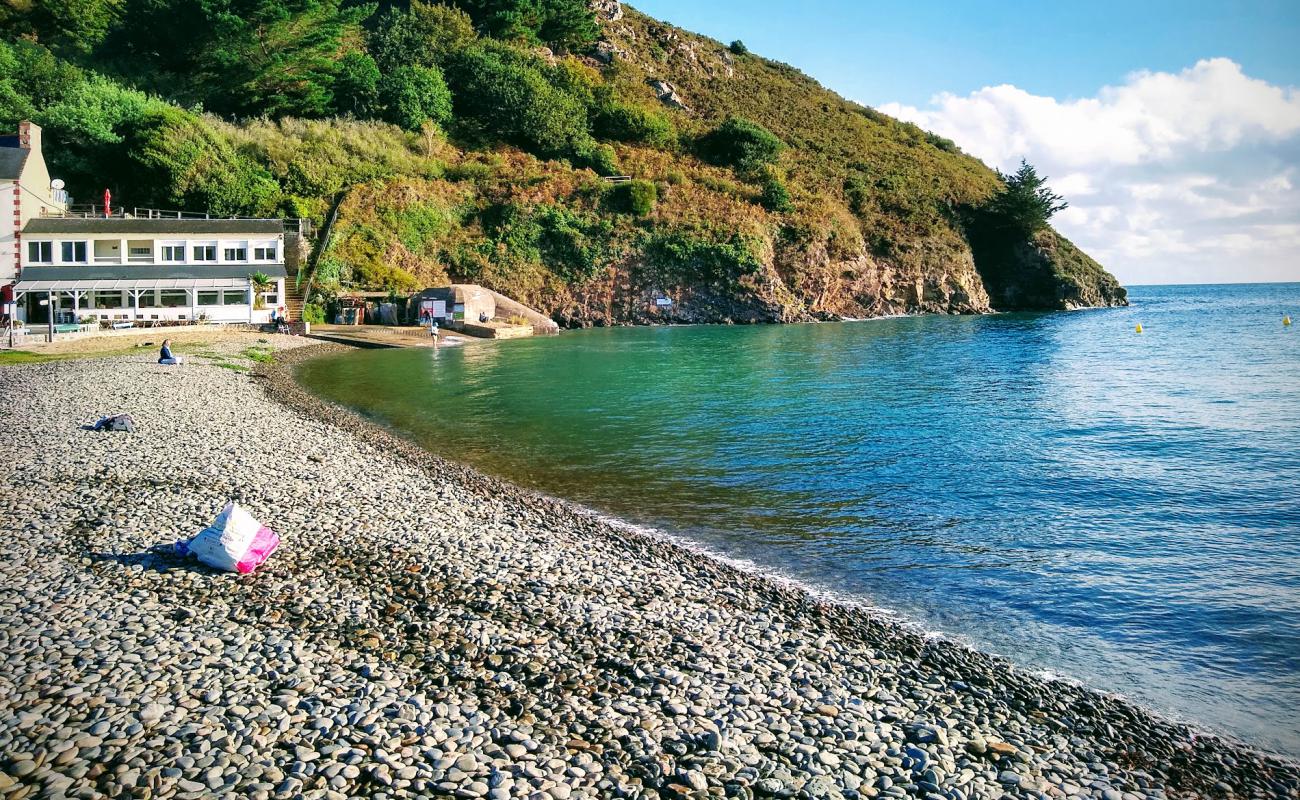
<point>295,259</point>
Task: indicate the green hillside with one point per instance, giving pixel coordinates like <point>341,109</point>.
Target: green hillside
<point>473,142</point>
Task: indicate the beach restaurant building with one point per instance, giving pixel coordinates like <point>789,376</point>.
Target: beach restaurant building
<point>146,269</point>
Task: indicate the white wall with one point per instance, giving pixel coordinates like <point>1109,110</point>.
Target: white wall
<point>8,240</point>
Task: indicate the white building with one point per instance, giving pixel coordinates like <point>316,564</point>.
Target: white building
<point>26,192</point>
<point>150,269</point>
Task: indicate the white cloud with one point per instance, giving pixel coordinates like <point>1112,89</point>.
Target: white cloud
<point>1183,177</point>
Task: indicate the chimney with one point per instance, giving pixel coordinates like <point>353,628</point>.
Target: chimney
<point>29,135</point>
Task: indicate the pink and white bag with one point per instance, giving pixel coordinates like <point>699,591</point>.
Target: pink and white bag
<point>235,541</point>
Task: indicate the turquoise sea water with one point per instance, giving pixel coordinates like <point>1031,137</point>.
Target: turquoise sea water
<point>1118,508</point>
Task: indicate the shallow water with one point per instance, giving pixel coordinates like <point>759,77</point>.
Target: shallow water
<point>1115,507</point>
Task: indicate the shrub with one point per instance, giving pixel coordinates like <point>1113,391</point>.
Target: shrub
<point>634,197</point>
<point>774,196</point>
<point>188,164</point>
<point>738,47</point>
<point>424,35</point>
<point>612,119</point>
<point>599,157</point>
<point>741,144</point>
<point>702,255</point>
<point>413,95</point>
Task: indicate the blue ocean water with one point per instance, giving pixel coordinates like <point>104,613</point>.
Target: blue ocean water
<point>1115,507</point>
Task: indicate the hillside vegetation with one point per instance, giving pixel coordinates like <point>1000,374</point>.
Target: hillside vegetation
<point>472,141</point>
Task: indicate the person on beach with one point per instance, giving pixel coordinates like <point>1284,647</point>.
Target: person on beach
<point>166,357</point>
<point>433,329</point>
<point>281,320</point>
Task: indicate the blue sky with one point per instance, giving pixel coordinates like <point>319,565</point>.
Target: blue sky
<point>1172,128</point>
<point>906,52</point>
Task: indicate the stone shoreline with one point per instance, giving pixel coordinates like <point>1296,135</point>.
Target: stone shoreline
<point>427,630</point>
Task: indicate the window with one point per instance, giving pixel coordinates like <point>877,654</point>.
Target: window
<point>40,252</point>
<point>209,298</point>
<point>74,252</point>
<point>234,297</point>
<point>146,299</point>
<point>173,298</point>
<point>173,252</point>
<point>271,298</point>
<point>205,252</point>
<point>108,300</point>
<point>140,252</point>
<point>237,253</point>
<point>264,253</point>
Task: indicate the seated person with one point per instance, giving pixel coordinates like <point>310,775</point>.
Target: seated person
<point>166,357</point>
<point>482,316</point>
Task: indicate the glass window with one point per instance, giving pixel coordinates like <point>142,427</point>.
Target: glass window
<point>271,299</point>
<point>146,299</point>
<point>209,298</point>
<point>74,252</point>
<point>205,252</point>
<point>136,252</point>
<point>236,254</point>
<point>40,252</point>
<point>173,252</point>
<point>264,253</point>
<point>108,300</point>
<point>173,298</point>
<point>234,297</point>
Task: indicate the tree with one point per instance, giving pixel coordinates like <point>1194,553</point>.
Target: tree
<point>414,95</point>
<point>356,86</point>
<point>562,24</point>
<point>742,144</point>
<point>71,27</point>
<point>1023,205</point>
<point>738,47</point>
<point>426,34</point>
<point>505,95</point>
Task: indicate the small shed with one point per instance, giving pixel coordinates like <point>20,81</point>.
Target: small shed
<point>457,304</point>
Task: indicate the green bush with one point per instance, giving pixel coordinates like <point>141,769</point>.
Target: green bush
<point>774,196</point>
<point>621,122</point>
<point>742,144</point>
<point>180,162</point>
<point>738,47</point>
<point>634,197</point>
<point>703,255</point>
<point>413,95</point>
<point>313,314</point>
<point>599,157</point>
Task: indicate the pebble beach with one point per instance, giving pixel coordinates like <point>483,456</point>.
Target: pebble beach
<point>426,630</point>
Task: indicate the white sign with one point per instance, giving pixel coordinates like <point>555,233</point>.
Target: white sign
<point>663,301</point>
<point>439,308</point>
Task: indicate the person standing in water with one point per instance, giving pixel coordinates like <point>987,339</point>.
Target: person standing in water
<point>165,356</point>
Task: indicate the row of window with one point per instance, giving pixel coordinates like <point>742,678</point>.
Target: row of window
<point>75,252</point>
<point>170,298</point>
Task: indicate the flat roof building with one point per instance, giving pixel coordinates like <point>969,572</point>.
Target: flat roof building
<point>129,269</point>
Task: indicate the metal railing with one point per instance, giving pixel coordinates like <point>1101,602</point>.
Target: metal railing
<point>296,225</point>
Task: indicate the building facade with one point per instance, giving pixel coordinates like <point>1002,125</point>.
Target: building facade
<point>123,269</point>
<point>26,192</point>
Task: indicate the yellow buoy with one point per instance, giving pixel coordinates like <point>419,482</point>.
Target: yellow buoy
<point>1139,327</point>
<point>1286,320</point>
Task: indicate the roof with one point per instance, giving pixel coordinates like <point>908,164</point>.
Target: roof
<point>118,285</point>
<point>150,272</point>
<point>129,225</point>
<point>12,160</point>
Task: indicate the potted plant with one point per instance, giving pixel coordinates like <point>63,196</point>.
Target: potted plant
<point>261,283</point>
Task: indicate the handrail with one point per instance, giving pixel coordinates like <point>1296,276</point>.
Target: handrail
<point>90,211</point>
